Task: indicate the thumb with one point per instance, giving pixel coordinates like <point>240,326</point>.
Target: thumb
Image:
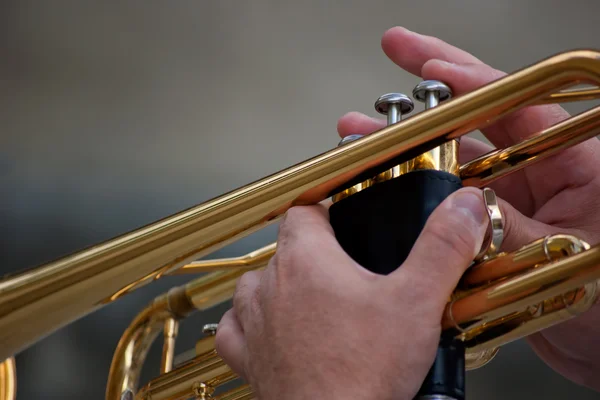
<point>452,237</point>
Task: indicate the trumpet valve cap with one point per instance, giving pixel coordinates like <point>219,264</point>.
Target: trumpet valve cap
<point>420,91</point>
<point>210,329</point>
<point>382,105</point>
<point>349,138</point>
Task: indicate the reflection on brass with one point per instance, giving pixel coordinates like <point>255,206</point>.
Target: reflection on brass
<point>8,379</point>
<point>564,96</point>
<point>499,163</point>
<point>516,294</point>
<point>38,301</point>
<point>242,393</point>
<point>188,380</point>
<point>495,227</point>
<point>171,329</point>
<point>255,259</point>
<point>442,158</point>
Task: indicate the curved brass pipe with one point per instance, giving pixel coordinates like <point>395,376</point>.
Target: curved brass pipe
<point>589,93</point>
<point>254,259</point>
<point>136,341</point>
<point>8,379</point>
<point>200,294</point>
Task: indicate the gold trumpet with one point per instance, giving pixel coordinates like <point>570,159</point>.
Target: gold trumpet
<point>504,296</point>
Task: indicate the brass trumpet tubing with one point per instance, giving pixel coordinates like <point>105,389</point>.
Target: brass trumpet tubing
<point>135,343</point>
<point>554,279</point>
<point>171,329</point>
<point>62,291</point>
<point>490,167</point>
<point>529,256</point>
<point>214,288</point>
<point>199,294</point>
<point>240,393</point>
<point>565,96</point>
<point>256,259</point>
<point>496,333</point>
<point>187,380</point>
<point>518,293</point>
<point>8,379</point>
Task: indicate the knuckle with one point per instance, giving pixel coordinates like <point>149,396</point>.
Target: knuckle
<point>289,260</point>
<point>222,338</point>
<point>293,217</point>
<point>243,291</point>
<point>288,229</point>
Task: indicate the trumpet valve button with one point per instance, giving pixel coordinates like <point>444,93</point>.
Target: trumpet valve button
<point>402,102</point>
<point>210,329</point>
<point>424,88</point>
<point>349,138</point>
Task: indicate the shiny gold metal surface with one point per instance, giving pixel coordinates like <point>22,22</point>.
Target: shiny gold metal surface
<point>492,166</point>
<point>519,293</point>
<point>442,158</point>
<point>135,343</point>
<point>255,259</point>
<point>199,294</point>
<point>565,96</point>
<point>188,380</point>
<point>8,379</point>
<point>45,298</point>
<point>367,183</point>
<point>171,330</point>
<point>242,393</point>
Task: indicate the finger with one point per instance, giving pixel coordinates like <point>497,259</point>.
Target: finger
<point>355,123</point>
<point>432,58</point>
<point>306,239</point>
<point>358,123</point>
<point>410,50</point>
<point>305,221</point>
<point>230,343</point>
<point>304,229</point>
<point>464,78</point>
<point>246,298</point>
<point>520,229</point>
<point>450,240</point>
<point>571,167</point>
<point>469,149</point>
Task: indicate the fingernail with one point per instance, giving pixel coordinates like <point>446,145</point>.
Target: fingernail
<point>406,30</point>
<point>471,205</point>
<point>445,63</point>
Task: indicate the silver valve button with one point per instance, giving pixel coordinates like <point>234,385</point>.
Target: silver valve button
<point>432,93</point>
<point>394,105</point>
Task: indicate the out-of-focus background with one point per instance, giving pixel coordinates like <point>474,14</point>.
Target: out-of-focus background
<point>113,115</point>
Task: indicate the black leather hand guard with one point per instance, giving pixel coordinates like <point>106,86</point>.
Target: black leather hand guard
<point>378,226</point>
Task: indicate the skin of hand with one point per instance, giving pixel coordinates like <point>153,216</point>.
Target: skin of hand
<point>315,324</point>
<point>558,195</point>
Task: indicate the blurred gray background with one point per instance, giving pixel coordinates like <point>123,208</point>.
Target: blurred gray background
<point>115,114</point>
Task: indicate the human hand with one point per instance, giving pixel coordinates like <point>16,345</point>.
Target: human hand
<point>315,324</point>
<point>558,195</point>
